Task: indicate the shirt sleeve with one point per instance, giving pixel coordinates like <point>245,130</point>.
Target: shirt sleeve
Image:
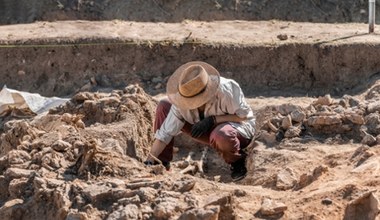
<point>235,102</point>
<point>172,126</point>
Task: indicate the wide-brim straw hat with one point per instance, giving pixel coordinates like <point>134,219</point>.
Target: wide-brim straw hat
<point>192,85</point>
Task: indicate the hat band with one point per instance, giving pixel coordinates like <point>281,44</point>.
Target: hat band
<point>191,96</point>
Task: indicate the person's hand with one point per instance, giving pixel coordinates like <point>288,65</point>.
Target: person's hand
<point>203,126</point>
<point>153,163</point>
<point>149,163</point>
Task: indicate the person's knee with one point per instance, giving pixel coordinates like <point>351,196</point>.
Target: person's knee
<point>223,134</point>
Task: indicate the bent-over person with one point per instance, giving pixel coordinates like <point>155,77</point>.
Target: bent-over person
<point>209,108</point>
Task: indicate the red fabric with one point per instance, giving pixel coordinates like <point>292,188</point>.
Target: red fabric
<point>224,138</point>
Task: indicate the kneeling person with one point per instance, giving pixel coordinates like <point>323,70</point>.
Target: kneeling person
<point>209,108</point>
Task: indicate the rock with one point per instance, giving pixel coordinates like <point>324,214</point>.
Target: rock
<point>327,201</point>
<point>17,187</point>
<point>286,122</point>
<point>373,107</point>
<point>365,206</point>
<point>18,157</point>
<point>225,202</point>
<point>361,155</point>
<point>292,132</point>
<point>351,101</point>
<point>53,183</point>
<point>110,101</point>
<point>89,105</point>
<point>369,140</point>
<point>185,184</point>
<point>240,193</point>
<point>307,179</point>
<point>130,211</point>
<point>147,194</point>
<point>209,213</point>
<point>16,173</point>
<point>346,127</point>
<point>115,182</point>
<point>39,182</point>
<point>61,145</point>
<point>96,193</point>
<point>339,109</point>
<point>166,208</point>
<point>285,179</point>
<point>146,210</point>
<point>343,103</point>
<point>286,109</point>
<point>172,194</point>
<point>271,208</point>
<point>355,118</point>
<point>282,36</point>
<point>310,110</point>
<point>378,139</point>
<point>3,163</point>
<point>131,200</point>
<point>21,73</point>
<point>12,209</point>
<point>80,124</point>
<point>297,115</point>
<point>324,120</point>
<point>372,122</point>
<point>67,117</point>
<point>325,100</point>
<point>3,189</point>
<point>113,145</point>
<point>75,215</point>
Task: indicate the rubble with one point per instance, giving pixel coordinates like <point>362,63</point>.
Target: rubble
<point>272,208</point>
<point>85,160</point>
<point>365,206</point>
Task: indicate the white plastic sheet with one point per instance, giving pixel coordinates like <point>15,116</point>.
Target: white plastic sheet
<point>35,102</point>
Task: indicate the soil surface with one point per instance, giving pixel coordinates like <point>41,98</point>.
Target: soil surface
<point>265,57</point>
<point>315,155</point>
<point>26,11</point>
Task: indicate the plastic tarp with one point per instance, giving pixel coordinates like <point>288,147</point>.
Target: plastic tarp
<point>35,102</point>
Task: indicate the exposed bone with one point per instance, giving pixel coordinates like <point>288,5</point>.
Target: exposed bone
<point>194,166</point>
<point>190,169</point>
<point>203,160</point>
<point>153,184</point>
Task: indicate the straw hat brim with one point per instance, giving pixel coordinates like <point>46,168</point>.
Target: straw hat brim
<point>194,102</point>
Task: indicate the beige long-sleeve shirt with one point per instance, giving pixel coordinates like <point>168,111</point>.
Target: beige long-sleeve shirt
<point>229,99</point>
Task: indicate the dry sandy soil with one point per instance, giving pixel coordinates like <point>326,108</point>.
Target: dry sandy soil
<point>314,156</point>
<point>313,159</point>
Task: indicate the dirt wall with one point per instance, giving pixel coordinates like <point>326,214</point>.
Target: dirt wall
<point>26,11</point>
<point>313,69</point>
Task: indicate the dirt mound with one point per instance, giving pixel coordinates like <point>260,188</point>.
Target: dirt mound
<point>177,10</point>
<point>83,161</point>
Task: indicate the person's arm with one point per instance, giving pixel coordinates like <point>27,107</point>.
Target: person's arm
<point>234,102</point>
<point>170,127</point>
<point>228,118</point>
<point>157,147</point>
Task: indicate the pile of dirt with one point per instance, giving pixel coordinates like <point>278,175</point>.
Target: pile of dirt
<point>83,160</point>
<point>176,10</point>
